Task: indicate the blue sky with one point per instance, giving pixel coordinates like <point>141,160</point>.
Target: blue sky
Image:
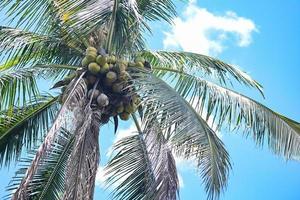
<point>262,38</point>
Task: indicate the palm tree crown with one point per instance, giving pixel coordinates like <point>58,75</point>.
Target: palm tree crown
<point>96,53</point>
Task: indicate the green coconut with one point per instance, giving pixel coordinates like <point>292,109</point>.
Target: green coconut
<point>85,62</point>
<point>111,77</point>
<point>102,100</point>
<point>104,69</point>
<point>94,68</point>
<point>139,65</point>
<point>139,59</point>
<point>124,116</point>
<point>91,50</point>
<point>95,95</point>
<point>101,60</point>
<point>91,57</point>
<point>112,59</point>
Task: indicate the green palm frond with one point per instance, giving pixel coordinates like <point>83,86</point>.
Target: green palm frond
<point>200,65</point>
<point>17,86</point>
<point>189,134</point>
<point>24,127</point>
<point>230,108</point>
<point>28,48</point>
<point>49,181</point>
<point>34,14</point>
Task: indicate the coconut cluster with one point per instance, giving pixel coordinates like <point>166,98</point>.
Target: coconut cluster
<point>107,80</point>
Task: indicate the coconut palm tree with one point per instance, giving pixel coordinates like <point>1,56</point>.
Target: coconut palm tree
<point>95,51</point>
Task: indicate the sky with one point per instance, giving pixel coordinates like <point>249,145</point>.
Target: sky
<point>261,38</point>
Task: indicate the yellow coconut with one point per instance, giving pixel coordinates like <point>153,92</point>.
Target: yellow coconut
<point>104,69</point>
<point>91,50</point>
<point>112,59</point>
<point>139,59</point>
<point>94,68</point>
<point>101,60</point>
<point>139,65</point>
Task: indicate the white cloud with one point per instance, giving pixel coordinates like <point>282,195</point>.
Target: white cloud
<point>201,31</point>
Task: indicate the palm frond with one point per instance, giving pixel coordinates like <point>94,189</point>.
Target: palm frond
<point>144,166</point>
<point>83,162</point>
<point>228,107</point>
<point>24,126</point>
<point>48,182</point>
<point>200,65</point>
<point>189,134</point>
<point>21,48</point>
<point>17,87</point>
<point>69,117</point>
<point>34,14</point>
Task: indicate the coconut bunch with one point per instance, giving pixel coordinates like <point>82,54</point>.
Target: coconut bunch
<point>107,80</point>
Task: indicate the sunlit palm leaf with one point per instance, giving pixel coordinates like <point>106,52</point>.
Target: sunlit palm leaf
<point>150,171</point>
<point>229,108</point>
<point>200,65</point>
<point>23,47</point>
<point>16,87</point>
<point>189,134</point>
<point>24,127</point>
<point>48,182</point>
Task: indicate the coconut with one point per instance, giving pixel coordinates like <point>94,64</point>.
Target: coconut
<point>123,76</point>
<point>101,60</point>
<point>95,95</point>
<point>139,65</point>
<point>112,59</point>
<point>124,116</point>
<point>111,76</point>
<point>104,69</point>
<point>91,50</point>
<point>94,68</point>
<point>139,59</point>
<point>85,62</point>
<point>91,56</point>
<point>117,87</point>
<point>102,100</point>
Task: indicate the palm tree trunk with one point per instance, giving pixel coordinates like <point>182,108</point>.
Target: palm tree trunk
<point>83,162</point>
